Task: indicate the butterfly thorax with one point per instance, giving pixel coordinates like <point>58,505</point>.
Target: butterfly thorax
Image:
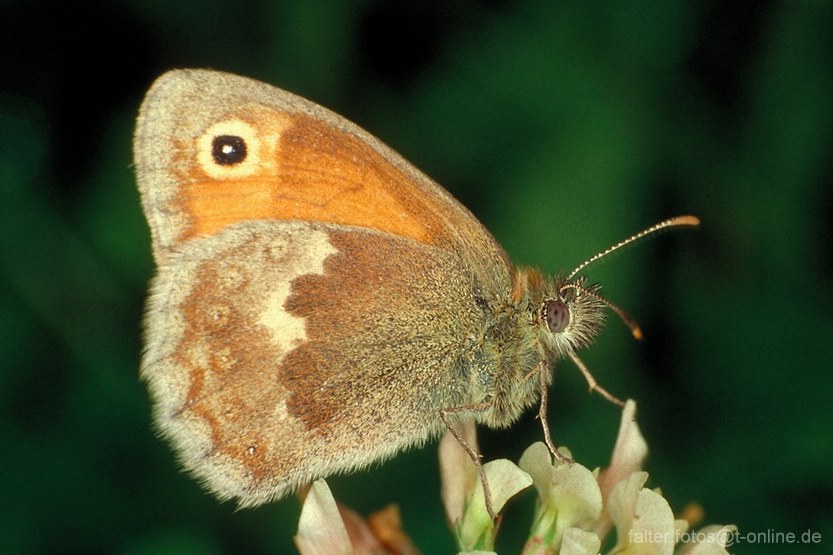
<point>543,320</point>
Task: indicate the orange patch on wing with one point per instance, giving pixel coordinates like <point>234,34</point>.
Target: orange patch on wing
<point>310,171</point>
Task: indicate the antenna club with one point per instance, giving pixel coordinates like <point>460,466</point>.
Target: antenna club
<point>693,221</point>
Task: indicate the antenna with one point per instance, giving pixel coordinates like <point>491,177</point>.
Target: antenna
<point>678,221</point>
<point>626,318</point>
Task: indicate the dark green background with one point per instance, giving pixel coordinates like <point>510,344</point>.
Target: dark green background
<point>564,128</point>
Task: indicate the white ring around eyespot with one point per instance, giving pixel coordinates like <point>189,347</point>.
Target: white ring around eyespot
<point>237,128</point>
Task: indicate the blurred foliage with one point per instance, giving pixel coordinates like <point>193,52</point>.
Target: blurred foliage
<point>564,128</point>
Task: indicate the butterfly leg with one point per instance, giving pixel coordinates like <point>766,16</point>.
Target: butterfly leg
<point>474,455</point>
<point>591,381</point>
<point>542,416</point>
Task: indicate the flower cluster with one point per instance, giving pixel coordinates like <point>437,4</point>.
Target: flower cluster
<point>576,511</point>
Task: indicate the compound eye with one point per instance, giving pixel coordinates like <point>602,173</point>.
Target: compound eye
<point>557,314</point>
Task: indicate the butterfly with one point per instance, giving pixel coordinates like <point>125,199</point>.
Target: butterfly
<point>319,303</point>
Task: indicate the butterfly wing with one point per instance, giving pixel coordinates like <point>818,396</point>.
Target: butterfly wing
<point>303,162</point>
<point>279,352</point>
<point>318,300</point>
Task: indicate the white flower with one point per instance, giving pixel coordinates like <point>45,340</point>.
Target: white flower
<point>575,513</point>
<point>576,508</point>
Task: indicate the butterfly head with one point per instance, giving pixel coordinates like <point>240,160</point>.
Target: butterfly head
<point>565,314</point>
<point>569,316</point>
